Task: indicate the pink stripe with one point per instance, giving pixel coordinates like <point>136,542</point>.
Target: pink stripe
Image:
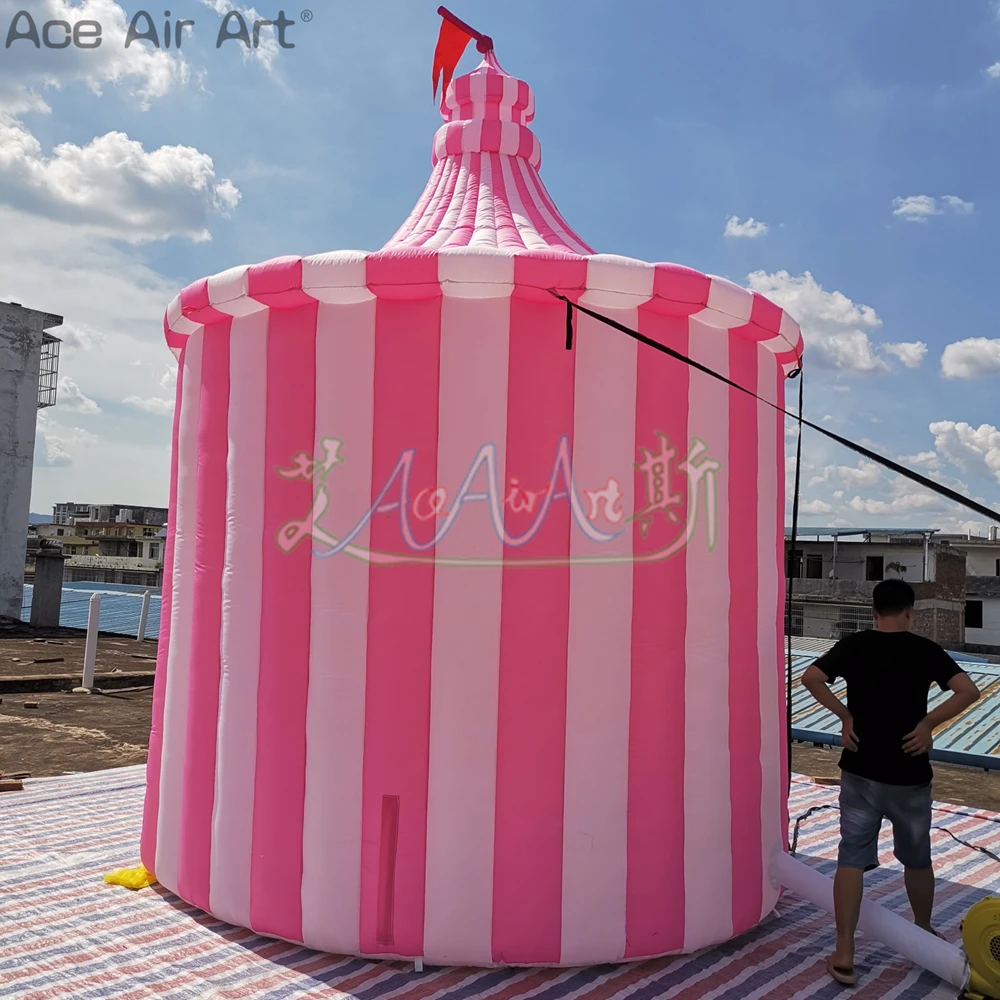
<point>279,783</point>
<point>413,220</point>
<point>400,617</point>
<point>151,805</point>
<point>768,603</point>
<point>744,661</point>
<point>345,365</point>
<point>595,826</point>
<point>467,607</point>
<point>656,891</point>
<point>232,834</point>
<point>194,862</point>
<point>438,207</point>
<point>527,874</point>
<point>544,200</point>
<point>175,701</point>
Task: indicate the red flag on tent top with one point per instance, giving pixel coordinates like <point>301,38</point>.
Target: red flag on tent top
<point>452,41</point>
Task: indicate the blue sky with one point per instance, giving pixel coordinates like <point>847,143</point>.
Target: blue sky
<point>861,139</point>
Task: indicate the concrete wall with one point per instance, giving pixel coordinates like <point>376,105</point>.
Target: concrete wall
<point>989,634</point>
<point>904,562</point>
<point>982,559</point>
<point>20,351</point>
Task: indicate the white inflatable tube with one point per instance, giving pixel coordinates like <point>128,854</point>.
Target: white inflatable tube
<point>923,949</point>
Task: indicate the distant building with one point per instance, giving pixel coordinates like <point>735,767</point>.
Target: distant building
<point>64,513</point>
<point>67,513</point>
<point>111,552</point>
<point>836,569</point>
<point>29,373</point>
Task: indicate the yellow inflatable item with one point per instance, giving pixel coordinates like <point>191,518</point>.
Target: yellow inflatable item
<point>131,878</point>
<point>981,937</point>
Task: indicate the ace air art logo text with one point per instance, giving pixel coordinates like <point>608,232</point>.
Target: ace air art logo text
<point>674,493</point>
<point>162,32</point>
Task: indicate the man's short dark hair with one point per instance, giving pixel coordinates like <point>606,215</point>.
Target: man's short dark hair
<point>892,597</point>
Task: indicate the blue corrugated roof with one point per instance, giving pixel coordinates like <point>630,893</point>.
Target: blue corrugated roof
<point>972,738</point>
<point>120,607</point>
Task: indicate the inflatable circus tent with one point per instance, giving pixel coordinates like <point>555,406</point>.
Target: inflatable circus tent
<point>499,678</point>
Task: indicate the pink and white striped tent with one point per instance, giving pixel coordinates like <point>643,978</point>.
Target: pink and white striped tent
<point>499,678</point>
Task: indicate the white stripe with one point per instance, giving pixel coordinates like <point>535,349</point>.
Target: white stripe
<point>768,604</point>
<point>509,98</point>
<point>525,227</point>
<point>598,682</point>
<point>465,663</point>
<point>477,94</point>
<point>175,703</point>
<point>232,820</point>
<point>335,716</point>
<point>708,889</point>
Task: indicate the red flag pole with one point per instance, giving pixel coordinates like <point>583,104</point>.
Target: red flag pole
<point>453,38</point>
<point>484,43</point>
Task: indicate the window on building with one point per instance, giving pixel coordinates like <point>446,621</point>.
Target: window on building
<point>973,614</point>
<point>794,567</point>
<point>133,549</point>
<point>998,567</point>
<point>154,551</point>
<point>814,566</point>
<point>875,568</point>
<point>60,531</point>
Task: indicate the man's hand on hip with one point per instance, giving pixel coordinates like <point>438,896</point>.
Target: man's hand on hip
<point>848,739</point>
<point>920,740</point>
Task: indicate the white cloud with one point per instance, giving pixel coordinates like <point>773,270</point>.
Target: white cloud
<point>864,474</point>
<point>905,503</point>
<point>751,229</point>
<point>78,337</point>
<point>147,72</point>
<point>924,459</point>
<point>971,449</point>
<point>72,271</point>
<point>815,507</point>
<point>994,71</point>
<point>169,380</point>
<point>957,205</point>
<point>920,207</point>
<point>114,185</point>
<point>975,357</point>
<point>155,405</point>
<point>54,444</point>
<point>910,354</point>
<point>71,397</point>
<point>835,328</point>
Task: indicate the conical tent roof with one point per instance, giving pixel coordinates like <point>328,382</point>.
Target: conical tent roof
<point>485,197</point>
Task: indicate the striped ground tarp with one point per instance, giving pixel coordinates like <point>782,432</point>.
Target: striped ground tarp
<point>64,933</point>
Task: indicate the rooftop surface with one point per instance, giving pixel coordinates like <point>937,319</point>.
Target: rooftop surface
<point>973,738</point>
<point>67,934</point>
<point>121,607</point>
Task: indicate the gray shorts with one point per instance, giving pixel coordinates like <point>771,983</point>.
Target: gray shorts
<point>863,806</point>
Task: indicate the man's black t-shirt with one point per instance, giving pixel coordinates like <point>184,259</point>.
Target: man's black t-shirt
<point>888,676</point>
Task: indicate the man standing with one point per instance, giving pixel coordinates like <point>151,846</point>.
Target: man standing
<point>887,734</point>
